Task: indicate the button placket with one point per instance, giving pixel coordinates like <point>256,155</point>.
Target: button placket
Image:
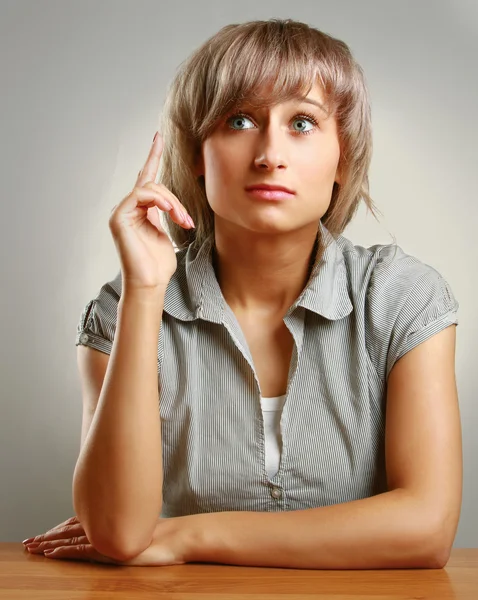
<point>276,492</point>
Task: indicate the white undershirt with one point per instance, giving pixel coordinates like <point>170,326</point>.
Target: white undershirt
<point>271,413</point>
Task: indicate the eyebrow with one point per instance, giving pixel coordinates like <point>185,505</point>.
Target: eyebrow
<point>314,102</point>
<point>308,100</point>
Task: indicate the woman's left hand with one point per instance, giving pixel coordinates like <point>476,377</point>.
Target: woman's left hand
<point>171,545</point>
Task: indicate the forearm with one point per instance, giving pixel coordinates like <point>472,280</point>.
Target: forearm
<point>386,531</point>
<point>117,484</point>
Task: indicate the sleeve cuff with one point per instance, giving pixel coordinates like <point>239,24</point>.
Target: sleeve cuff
<point>87,338</point>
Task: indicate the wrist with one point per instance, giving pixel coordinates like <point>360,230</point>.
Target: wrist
<point>144,296</point>
<point>194,538</point>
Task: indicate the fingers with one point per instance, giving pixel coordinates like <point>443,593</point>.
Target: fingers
<point>57,543</point>
<point>70,521</point>
<point>148,194</point>
<point>150,170</point>
<point>177,211</point>
<point>154,218</point>
<point>38,538</point>
<point>57,533</point>
<point>147,178</point>
<point>153,195</point>
<point>83,552</point>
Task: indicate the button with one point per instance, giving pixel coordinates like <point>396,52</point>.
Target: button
<point>276,493</point>
<point>84,338</point>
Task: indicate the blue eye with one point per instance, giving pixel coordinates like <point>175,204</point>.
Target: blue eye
<point>304,120</point>
<point>239,119</point>
<point>238,122</point>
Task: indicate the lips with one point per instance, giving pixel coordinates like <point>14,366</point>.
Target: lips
<point>270,193</point>
<point>269,187</point>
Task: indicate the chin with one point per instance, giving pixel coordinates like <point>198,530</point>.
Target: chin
<point>272,227</point>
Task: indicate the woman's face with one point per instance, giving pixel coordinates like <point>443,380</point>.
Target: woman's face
<point>292,144</point>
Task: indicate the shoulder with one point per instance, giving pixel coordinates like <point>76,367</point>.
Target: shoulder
<point>402,288</point>
<point>403,300</point>
<point>404,283</point>
<point>389,274</point>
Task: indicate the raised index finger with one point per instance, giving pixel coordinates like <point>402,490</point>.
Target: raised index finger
<point>150,170</point>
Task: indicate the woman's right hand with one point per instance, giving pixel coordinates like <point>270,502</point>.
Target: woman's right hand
<point>67,540</point>
<point>70,531</point>
<point>147,256</point>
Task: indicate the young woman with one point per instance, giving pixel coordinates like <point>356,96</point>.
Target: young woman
<point>270,394</point>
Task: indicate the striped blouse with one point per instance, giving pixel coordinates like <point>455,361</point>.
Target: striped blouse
<point>361,310</point>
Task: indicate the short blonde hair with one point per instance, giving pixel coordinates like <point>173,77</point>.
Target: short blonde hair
<point>289,57</point>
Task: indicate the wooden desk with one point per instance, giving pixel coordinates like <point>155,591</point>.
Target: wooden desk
<point>24,576</point>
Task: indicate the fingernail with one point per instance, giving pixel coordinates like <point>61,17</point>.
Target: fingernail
<point>155,137</point>
<point>191,222</point>
<point>28,540</point>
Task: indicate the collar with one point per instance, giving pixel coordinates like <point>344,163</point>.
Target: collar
<point>193,291</point>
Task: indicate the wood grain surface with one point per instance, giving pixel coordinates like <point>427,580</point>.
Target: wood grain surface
<point>34,577</point>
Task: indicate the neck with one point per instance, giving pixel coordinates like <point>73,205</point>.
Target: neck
<point>264,274</point>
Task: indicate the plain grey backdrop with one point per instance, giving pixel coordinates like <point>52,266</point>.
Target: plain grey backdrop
<point>82,86</point>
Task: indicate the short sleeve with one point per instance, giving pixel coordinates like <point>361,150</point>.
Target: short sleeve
<point>97,324</point>
<point>409,302</point>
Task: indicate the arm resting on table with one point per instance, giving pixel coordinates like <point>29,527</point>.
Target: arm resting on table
<point>411,526</point>
<point>117,483</point>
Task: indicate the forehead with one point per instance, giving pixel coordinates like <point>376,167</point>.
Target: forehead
<point>265,97</point>
<point>313,88</point>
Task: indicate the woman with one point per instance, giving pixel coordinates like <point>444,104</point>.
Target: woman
<point>308,414</point>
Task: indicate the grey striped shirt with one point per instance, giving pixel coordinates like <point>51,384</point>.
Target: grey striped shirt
<point>361,310</point>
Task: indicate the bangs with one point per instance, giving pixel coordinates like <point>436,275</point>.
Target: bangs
<point>263,67</point>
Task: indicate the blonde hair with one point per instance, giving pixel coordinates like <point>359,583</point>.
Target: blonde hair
<point>289,56</point>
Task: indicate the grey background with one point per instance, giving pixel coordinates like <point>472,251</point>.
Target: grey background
<point>82,88</point>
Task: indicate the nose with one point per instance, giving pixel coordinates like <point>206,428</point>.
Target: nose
<point>270,151</point>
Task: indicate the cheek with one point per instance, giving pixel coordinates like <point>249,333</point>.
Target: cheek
<point>320,165</point>
<point>216,176</point>
<point>221,167</point>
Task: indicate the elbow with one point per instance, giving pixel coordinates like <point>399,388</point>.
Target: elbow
<point>108,540</point>
<point>442,551</point>
<point>116,545</point>
<point>438,558</point>
<point>442,535</point>
<point>105,533</point>
<point>422,545</point>
<point>116,549</point>
<point>438,547</point>
<point>429,536</point>
<point>120,546</point>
